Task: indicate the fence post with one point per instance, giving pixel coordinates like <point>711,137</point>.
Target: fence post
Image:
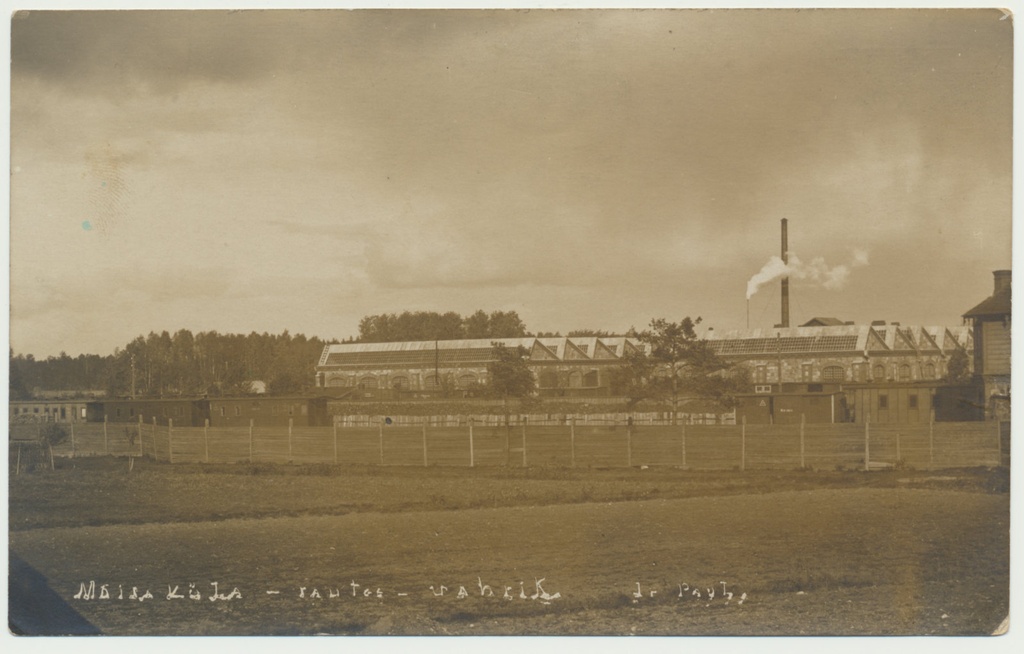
<point>289,440</point>
<point>524,441</point>
<point>335,425</point>
<point>141,450</point>
<point>424,443</point>
<point>380,429</point>
<point>629,445</point>
<point>803,419</point>
<point>572,442</point>
<point>206,440</point>
<point>931,439</point>
<point>743,444</point>
<point>682,441</point>
<point>170,446</point>
<point>251,422</point>
<point>106,448</point>
<point>73,438</point>
<point>899,454</point>
<point>156,454</point>
<point>471,461</point>
<point>867,439</point>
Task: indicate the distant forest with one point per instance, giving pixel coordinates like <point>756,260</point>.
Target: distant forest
<point>217,364</point>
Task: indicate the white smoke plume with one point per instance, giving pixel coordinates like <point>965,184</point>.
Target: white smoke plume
<point>816,272</point>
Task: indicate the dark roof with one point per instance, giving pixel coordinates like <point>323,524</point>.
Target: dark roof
<point>998,304</point>
<point>823,322</point>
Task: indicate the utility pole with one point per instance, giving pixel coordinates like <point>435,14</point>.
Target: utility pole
<point>133,374</point>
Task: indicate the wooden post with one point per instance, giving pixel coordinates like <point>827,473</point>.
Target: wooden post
<point>629,446</point>
<point>381,440</point>
<point>572,442</point>
<point>931,439</point>
<point>156,455</point>
<point>251,422</point>
<point>682,441</point>
<point>424,443</point>
<point>899,455</point>
<point>524,441</point>
<point>471,460</point>
<point>743,444</point>
<point>106,448</point>
<point>802,420</point>
<point>335,426</point>
<point>206,440</point>
<point>141,451</point>
<point>170,446</point>
<point>867,438</point>
<point>999,442</point>
<point>73,439</point>
<point>289,440</point>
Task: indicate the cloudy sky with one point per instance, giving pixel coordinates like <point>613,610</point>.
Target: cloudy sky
<point>272,170</point>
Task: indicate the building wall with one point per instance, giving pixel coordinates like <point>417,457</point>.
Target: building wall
<point>849,368</point>
<point>48,411</point>
<point>891,403</point>
<point>267,411</point>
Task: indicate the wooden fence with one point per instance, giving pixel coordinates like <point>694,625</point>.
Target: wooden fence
<point>704,447</point>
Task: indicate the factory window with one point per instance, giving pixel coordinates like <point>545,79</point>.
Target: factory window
<point>131,412</point>
<point>883,401</point>
<point>368,382</point>
<point>335,382</point>
<point>575,379</point>
<point>83,412</point>
<point>805,372</point>
<point>590,379</point>
<point>238,410</point>
<point>583,348</point>
<point>222,412</point>
<point>467,380</point>
<point>118,412</point>
<point>548,379</point>
<point>400,383</point>
<point>912,401</point>
<point>904,372</point>
<point>878,373</point>
<point>860,371</point>
<point>304,409</point>
<point>929,371</point>
<point>761,375</point>
<point>430,382</point>
<point>833,374</point>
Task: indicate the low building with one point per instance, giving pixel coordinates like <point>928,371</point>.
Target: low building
<point>53,410</point>
<point>268,411</point>
<point>183,411</point>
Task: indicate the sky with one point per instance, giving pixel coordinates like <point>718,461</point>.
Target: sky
<point>270,170</point>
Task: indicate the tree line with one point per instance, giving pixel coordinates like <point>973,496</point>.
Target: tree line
<point>217,364</point>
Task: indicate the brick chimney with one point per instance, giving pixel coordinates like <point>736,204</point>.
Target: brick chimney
<point>1002,280</point>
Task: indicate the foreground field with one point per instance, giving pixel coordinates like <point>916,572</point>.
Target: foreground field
<point>362,551</point>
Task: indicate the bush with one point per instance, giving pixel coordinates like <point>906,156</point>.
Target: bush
<point>52,434</point>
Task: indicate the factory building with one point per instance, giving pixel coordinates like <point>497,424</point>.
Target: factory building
<point>564,367</point>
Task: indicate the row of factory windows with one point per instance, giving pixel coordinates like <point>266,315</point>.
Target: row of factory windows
<point>547,379</point>
<point>837,374</point>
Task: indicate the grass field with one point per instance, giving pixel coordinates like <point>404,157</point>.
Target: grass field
<point>364,550</point>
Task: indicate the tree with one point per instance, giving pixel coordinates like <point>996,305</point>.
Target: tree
<point>958,369</point>
<point>509,375</point>
<point>674,363</point>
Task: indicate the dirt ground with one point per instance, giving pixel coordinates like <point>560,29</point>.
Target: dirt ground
<point>489,552</point>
